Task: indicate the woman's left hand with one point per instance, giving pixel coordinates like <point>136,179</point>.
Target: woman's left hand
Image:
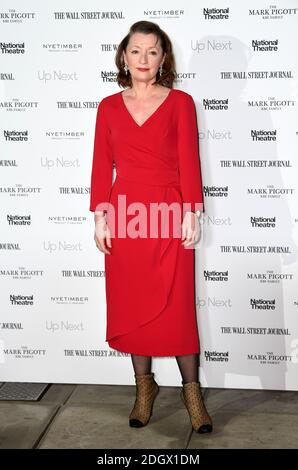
<point>190,229</point>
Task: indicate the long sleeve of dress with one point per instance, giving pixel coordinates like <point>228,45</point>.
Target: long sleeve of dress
<point>102,165</point>
<point>188,152</point>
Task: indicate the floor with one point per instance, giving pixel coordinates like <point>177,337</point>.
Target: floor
<point>96,417</point>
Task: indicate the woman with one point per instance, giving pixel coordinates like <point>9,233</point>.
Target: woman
<point>149,132</point>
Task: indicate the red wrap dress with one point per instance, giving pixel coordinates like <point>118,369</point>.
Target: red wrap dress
<point>150,281</point>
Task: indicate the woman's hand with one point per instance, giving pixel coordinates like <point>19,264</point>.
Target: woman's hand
<point>102,235</point>
<point>190,229</point>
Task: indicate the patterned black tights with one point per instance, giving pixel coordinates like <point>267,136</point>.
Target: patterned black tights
<point>188,365</point>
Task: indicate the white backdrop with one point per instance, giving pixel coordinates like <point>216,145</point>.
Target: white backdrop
<point>240,64</point>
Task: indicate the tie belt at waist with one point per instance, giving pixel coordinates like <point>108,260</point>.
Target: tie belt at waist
<point>150,176</point>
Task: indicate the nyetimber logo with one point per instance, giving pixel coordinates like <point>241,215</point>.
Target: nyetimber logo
<point>216,356</point>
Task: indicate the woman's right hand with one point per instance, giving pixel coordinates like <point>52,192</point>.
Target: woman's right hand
<point>102,235</point>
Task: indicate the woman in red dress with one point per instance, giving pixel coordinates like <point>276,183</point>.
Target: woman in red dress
<point>149,133</point>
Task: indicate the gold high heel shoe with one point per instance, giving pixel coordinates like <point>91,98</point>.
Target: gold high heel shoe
<point>146,392</point>
<point>192,398</point>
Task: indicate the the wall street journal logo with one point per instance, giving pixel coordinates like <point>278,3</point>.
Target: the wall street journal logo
<point>216,13</point>
<point>8,164</point>
<point>73,190</point>
<point>18,219</point>
<point>262,304</point>
<point>108,47</point>
<point>263,135</point>
<point>256,74</point>
<point>256,249</point>
<point>6,76</point>
<point>270,277</point>
<point>255,163</point>
<point>9,246</point>
<point>263,222</point>
<point>216,191</point>
<point>11,326</point>
<point>264,45</point>
<point>81,273</point>
<point>15,136</point>
<point>12,48</point>
<point>21,299</point>
<point>216,276</point>
<point>270,192</point>
<point>244,330</point>
<point>269,358</point>
<point>76,105</point>
<point>91,15</point>
<point>213,104</point>
<point>271,104</point>
<point>216,356</point>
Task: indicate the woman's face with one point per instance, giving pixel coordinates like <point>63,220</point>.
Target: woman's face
<point>143,51</point>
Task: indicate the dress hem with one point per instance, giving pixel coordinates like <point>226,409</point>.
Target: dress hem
<point>171,354</point>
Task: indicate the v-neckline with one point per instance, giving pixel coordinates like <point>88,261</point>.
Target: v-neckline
<point>151,115</point>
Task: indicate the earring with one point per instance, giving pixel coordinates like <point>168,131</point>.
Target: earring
<point>125,68</point>
<point>160,69</point>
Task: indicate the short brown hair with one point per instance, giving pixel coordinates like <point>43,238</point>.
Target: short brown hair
<point>168,69</point>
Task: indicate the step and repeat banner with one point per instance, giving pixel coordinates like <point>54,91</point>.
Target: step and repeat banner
<point>239,61</point>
